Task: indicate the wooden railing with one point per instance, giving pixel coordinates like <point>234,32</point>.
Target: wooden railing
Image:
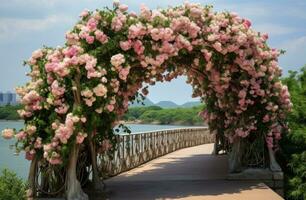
<point>138,148</point>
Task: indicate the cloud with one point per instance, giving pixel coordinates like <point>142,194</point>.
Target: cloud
<point>295,45</point>
<point>294,57</point>
<point>11,27</point>
<point>274,29</point>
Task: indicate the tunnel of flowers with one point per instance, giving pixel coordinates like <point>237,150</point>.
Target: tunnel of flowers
<point>78,93</point>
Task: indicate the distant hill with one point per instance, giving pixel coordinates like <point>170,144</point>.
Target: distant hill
<point>146,102</point>
<point>166,104</point>
<point>190,104</point>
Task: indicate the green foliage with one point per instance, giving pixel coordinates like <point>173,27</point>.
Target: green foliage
<point>155,114</point>
<point>9,112</point>
<point>11,187</point>
<point>292,156</point>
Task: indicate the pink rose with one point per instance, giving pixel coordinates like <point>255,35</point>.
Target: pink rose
<point>123,7</point>
<point>110,107</point>
<point>138,47</point>
<point>117,60</point>
<point>125,45</point>
<point>247,23</point>
<point>266,118</point>
<point>101,37</point>
<point>92,24</point>
<point>8,133</point>
<point>100,90</point>
<point>90,39</point>
<point>30,155</point>
<point>84,13</point>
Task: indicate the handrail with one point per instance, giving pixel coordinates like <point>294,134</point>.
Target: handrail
<point>135,149</point>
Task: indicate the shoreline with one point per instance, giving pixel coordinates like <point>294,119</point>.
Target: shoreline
<point>130,122</point>
<point>159,123</point>
<point>11,120</point>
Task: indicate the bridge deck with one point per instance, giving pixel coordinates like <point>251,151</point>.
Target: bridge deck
<point>191,173</point>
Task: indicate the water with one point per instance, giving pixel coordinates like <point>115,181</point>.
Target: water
<point>21,166</point>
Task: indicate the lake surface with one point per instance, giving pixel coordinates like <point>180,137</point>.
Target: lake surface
<point>21,166</point>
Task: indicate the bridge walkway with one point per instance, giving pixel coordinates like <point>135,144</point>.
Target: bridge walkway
<point>190,173</point>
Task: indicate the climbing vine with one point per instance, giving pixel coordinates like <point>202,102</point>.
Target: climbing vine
<point>79,92</point>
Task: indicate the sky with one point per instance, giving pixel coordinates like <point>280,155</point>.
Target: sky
<point>26,25</point>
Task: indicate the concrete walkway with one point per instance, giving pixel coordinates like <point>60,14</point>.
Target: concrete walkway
<point>191,173</point>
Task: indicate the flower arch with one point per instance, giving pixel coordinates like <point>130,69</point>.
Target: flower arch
<point>78,92</point>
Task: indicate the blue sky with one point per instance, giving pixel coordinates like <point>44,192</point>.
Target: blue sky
<point>26,25</point>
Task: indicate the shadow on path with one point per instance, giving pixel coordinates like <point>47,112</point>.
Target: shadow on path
<point>191,173</point>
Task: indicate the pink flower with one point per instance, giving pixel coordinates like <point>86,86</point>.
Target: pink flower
<point>125,45</point>
<point>56,90</point>
<point>269,141</point>
<point>80,137</point>
<point>92,24</point>
<point>247,23</point>
<point>195,12</point>
<point>30,155</point>
<point>117,60</point>
<point>145,12</point>
<point>217,46</point>
<point>100,90</point>
<point>90,39</point>
<point>62,109</point>
<point>242,94</point>
<point>138,47</point>
<point>21,135</point>
<point>84,13</point>
<point>37,54</point>
<point>55,161</point>
<point>207,55</point>
<point>8,133</point>
<point>87,93</point>
<point>117,23</point>
<point>30,129</point>
<point>266,118</point>
<point>63,133</point>
<point>110,107</point>
<point>136,31</point>
<point>123,7</point>
<point>71,51</point>
<point>101,37</point>
<point>124,73</point>
<point>38,143</point>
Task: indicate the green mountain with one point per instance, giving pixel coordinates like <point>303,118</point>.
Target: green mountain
<point>146,102</point>
<point>166,104</point>
<point>190,104</point>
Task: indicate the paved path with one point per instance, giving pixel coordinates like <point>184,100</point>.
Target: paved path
<point>191,173</point>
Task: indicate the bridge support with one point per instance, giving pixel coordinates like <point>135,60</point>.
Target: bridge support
<point>270,174</point>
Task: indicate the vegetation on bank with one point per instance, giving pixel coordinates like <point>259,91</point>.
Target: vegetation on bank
<point>292,155</point>
<point>150,114</point>
<point>158,115</point>
<point>9,112</point>
<point>11,186</point>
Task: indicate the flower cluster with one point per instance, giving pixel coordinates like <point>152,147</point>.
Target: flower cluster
<point>85,87</point>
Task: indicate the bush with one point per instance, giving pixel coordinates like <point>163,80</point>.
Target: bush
<point>292,156</point>
<point>11,186</point>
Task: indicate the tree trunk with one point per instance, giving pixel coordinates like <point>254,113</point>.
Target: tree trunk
<point>32,176</point>
<point>216,145</point>
<point>74,190</point>
<point>235,156</point>
<point>274,167</point>
<point>98,184</point>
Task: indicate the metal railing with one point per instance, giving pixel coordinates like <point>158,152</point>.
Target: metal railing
<point>137,148</point>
